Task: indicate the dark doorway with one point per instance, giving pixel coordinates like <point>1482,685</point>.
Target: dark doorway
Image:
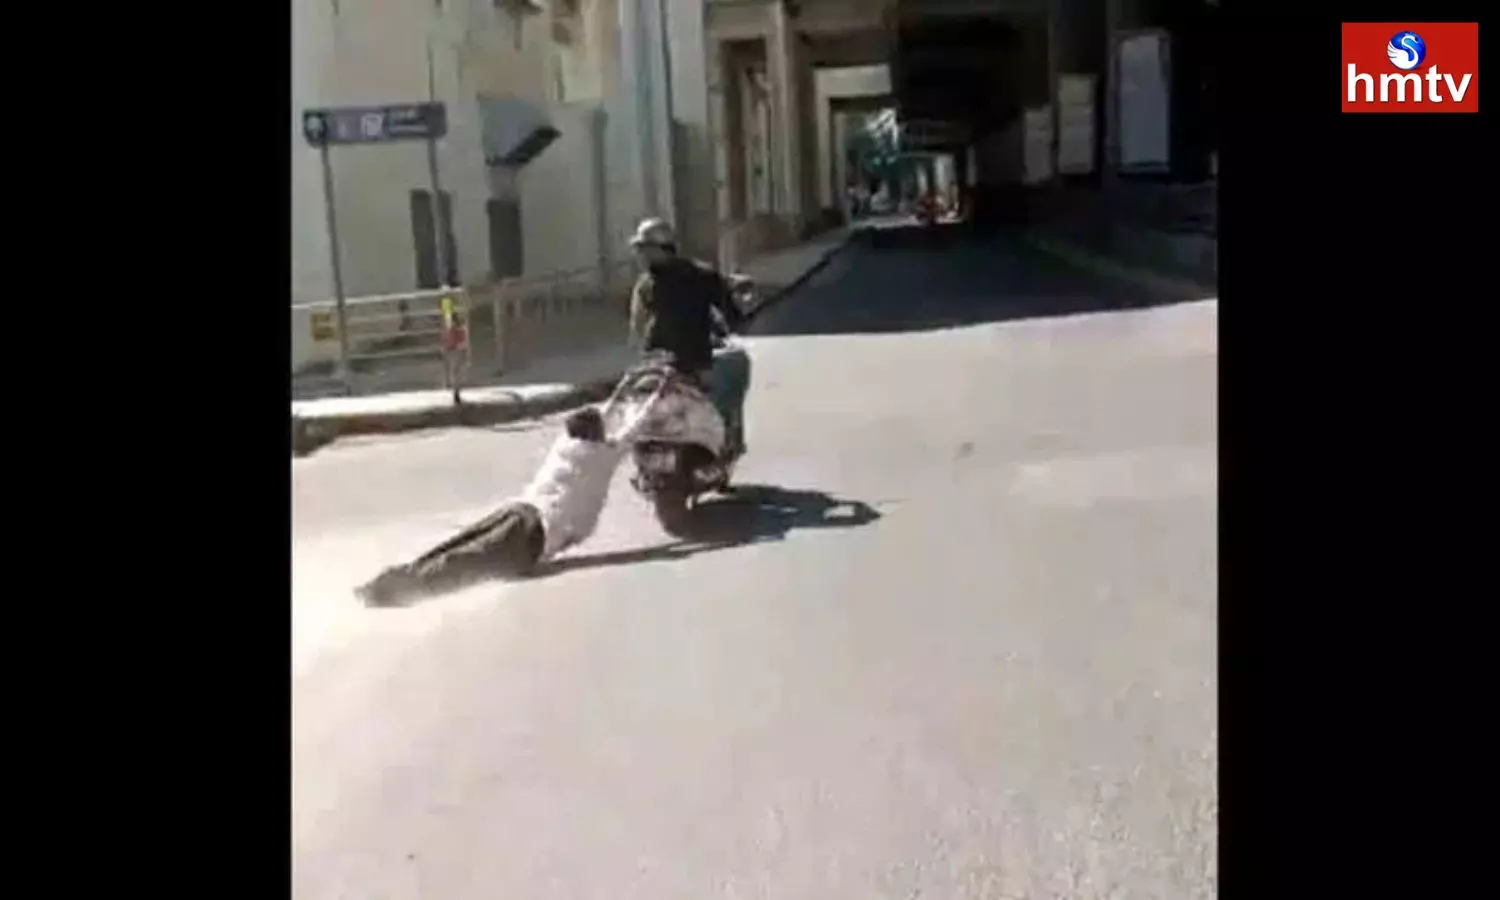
<point>422,228</point>
<point>507,253</point>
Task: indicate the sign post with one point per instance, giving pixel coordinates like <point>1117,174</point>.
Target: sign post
<point>440,229</point>
<point>335,265</point>
<point>326,128</point>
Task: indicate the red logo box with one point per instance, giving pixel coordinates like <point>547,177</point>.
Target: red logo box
<point>1446,81</point>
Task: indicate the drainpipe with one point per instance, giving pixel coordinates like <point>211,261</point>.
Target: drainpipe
<point>664,111</point>
<point>1110,97</point>
<point>636,77</point>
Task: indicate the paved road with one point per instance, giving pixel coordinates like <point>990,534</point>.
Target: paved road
<point>970,652</point>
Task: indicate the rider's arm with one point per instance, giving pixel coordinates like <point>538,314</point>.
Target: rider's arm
<point>632,426</point>
<point>723,300</point>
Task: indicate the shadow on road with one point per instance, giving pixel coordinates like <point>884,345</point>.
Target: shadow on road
<point>949,276</point>
<point>758,512</point>
<point>657,553</point>
<point>751,514</point>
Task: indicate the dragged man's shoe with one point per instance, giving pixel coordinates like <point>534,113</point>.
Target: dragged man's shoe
<point>393,587</point>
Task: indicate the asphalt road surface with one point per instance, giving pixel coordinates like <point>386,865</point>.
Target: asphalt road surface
<point>957,640</point>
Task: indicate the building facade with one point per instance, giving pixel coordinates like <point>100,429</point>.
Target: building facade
<point>538,168</point>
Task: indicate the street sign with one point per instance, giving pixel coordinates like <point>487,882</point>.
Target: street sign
<point>327,128</point>
<point>375,124</point>
<point>320,323</point>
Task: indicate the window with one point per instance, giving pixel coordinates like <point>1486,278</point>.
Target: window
<point>564,29</point>
<point>506,250</point>
<point>518,10</point>
<point>424,251</point>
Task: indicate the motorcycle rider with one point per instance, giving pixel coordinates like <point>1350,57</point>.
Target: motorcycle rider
<point>672,309</point>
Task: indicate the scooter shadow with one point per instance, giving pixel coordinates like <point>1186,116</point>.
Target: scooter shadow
<point>759,512</point>
<point>750,514</point>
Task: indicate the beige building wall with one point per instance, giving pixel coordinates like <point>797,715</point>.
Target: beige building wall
<point>560,203</point>
<point>691,85</point>
<point>636,88</point>
<point>783,60</point>
<point>355,52</point>
<point>311,278</point>
<point>763,140</point>
<point>779,141</point>
<point>824,17</point>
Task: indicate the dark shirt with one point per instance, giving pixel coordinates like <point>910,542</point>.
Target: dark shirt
<point>672,309</point>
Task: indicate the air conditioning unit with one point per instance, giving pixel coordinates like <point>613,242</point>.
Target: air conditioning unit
<point>565,30</point>
<point>520,7</point>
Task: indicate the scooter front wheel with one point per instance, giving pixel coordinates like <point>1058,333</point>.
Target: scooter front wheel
<point>673,508</point>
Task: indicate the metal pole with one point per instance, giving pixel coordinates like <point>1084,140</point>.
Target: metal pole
<point>439,254</point>
<point>669,139</point>
<point>646,109</point>
<point>341,314</point>
<point>440,222</point>
<point>498,307</point>
<point>440,236</point>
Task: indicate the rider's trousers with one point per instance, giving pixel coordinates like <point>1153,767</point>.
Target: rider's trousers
<point>728,383</point>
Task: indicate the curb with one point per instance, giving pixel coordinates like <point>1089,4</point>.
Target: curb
<point>1156,281</point>
<point>309,434</point>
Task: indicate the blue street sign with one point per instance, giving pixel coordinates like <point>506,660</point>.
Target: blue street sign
<point>375,124</point>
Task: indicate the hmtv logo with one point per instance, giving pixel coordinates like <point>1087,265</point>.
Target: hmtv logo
<point>1430,67</point>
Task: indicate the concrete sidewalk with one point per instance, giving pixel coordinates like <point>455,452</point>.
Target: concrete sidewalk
<point>547,386</point>
<point>1163,237</point>
<point>1142,268</point>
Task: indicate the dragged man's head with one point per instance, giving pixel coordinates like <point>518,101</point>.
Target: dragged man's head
<point>585,424</point>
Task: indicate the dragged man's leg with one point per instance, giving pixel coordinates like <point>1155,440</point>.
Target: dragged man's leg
<point>507,546</point>
<point>492,547</point>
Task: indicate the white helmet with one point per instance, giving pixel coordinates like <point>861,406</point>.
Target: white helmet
<point>653,233</point>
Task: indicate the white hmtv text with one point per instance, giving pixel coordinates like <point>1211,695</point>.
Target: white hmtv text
<point>1407,87</point>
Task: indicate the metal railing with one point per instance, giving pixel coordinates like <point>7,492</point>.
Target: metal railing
<point>592,302</point>
<point>417,340</point>
<point>384,338</point>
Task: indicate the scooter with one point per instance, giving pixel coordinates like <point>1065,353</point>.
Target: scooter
<point>929,210</point>
<point>680,453</point>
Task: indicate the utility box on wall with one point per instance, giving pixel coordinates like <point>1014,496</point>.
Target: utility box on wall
<point>1075,124</point>
<point>1141,65</point>
<point>1037,146</point>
